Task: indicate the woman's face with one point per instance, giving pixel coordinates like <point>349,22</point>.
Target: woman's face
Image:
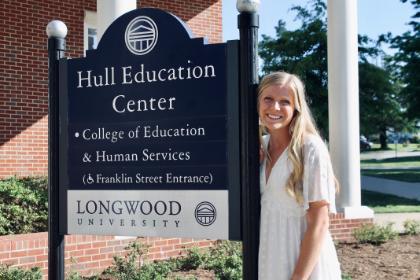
<point>276,107</point>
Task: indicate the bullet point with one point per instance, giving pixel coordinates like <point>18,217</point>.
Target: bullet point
<point>76,134</point>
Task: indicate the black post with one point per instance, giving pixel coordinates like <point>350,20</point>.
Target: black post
<point>248,28</point>
<point>56,48</point>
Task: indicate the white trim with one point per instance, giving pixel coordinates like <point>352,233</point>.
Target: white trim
<point>110,10</point>
<point>358,212</point>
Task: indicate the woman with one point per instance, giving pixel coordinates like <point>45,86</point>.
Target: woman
<point>297,187</point>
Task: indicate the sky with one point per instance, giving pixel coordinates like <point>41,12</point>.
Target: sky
<point>375,17</point>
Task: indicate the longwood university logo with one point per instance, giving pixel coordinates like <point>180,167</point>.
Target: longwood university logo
<point>141,35</point>
<point>205,213</point>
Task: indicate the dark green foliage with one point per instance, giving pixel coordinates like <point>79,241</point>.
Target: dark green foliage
<point>23,205</point>
<point>195,259</point>
<point>225,259</point>
<point>77,276</point>
<point>380,102</point>
<point>407,60</point>
<point>303,52</point>
<point>127,267</point>
<point>130,268</point>
<point>156,270</point>
<point>373,199</point>
<point>13,273</point>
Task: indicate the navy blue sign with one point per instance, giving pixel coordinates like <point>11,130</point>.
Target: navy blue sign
<point>151,109</point>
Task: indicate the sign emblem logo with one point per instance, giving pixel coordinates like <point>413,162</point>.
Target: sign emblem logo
<point>205,213</point>
<point>141,35</point>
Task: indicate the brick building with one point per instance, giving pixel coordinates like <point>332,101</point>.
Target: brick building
<point>24,114</point>
<point>24,68</point>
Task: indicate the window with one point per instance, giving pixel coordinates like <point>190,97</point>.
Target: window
<point>90,34</point>
<point>92,39</point>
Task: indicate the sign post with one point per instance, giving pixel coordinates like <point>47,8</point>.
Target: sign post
<point>248,22</point>
<point>56,31</point>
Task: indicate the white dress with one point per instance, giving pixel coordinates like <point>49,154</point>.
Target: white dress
<point>283,221</point>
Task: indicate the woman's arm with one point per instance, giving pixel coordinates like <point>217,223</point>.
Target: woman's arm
<point>317,226</point>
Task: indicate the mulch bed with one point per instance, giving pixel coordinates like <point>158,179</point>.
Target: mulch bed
<point>396,259</point>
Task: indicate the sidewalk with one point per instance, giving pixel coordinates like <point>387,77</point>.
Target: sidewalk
<point>397,218</point>
<point>389,167</point>
<point>398,188</point>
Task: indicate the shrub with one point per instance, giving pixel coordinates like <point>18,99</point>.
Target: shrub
<point>127,267</point>
<point>194,259</point>
<point>156,270</point>
<point>414,139</point>
<point>226,260</point>
<point>346,276</point>
<point>411,227</point>
<point>13,273</point>
<point>23,205</point>
<point>375,234</point>
<point>77,276</point>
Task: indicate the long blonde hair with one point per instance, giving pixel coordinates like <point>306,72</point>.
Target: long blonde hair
<point>301,124</point>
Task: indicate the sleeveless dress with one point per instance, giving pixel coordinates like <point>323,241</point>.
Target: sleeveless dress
<point>283,221</point>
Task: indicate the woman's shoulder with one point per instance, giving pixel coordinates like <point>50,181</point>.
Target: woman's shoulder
<point>314,143</point>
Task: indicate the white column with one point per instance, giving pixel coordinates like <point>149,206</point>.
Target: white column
<point>109,10</point>
<point>343,105</point>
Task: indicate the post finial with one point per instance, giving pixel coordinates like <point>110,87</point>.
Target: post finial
<point>249,6</point>
<point>56,28</point>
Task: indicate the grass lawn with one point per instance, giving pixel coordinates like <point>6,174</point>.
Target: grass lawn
<point>393,168</point>
<point>387,203</point>
<point>398,162</point>
<point>398,147</point>
<point>405,175</point>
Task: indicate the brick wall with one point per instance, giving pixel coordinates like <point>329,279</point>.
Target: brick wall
<point>24,72</point>
<point>23,78</point>
<point>203,17</point>
<point>90,254</point>
<point>86,254</point>
<point>341,229</point>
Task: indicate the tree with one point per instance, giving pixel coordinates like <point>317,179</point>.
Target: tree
<point>379,93</point>
<point>407,59</point>
<point>304,52</point>
<point>380,107</point>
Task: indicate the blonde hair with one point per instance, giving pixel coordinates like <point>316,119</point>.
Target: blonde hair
<point>301,124</point>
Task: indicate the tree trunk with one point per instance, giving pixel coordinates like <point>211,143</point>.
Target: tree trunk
<point>382,139</point>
